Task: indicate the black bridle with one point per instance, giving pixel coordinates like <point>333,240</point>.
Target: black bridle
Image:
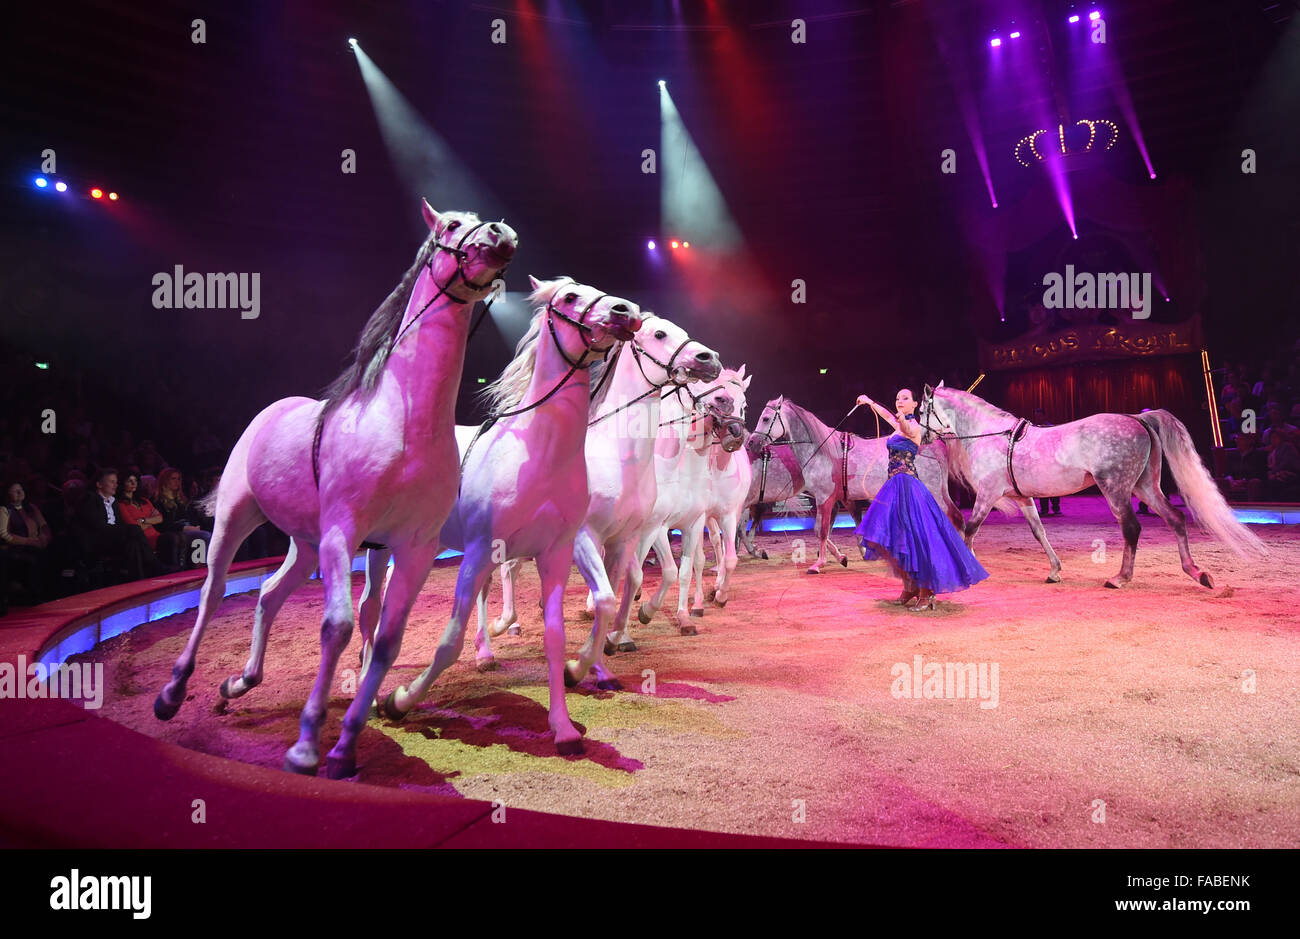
<point>638,353</point>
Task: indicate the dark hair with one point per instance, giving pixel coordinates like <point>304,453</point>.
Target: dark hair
<point>103,473</point>
<point>135,498</point>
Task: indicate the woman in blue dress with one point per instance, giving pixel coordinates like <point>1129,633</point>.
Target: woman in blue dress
<point>905,526</point>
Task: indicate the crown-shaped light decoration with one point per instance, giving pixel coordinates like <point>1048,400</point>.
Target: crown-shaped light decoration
<point>1028,148</point>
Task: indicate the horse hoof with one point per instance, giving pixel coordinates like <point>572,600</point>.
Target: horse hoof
<point>164,711</point>
<point>1053,578</point>
<point>697,611</point>
<point>609,684</point>
<point>568,747</point>
<point>763,554</point>
<point>720,603</point>
<point>1112,585</point>
<point>642,616</point>
<point>814,570</point>
<point>610,648</point>
<point>389,708</point>
<point>302,770</point>
<point>627,645</point>
<point>844,562</point>
<point>514,631</point>
<point>638,595</point>
<point>486,665</point>
<point>339,767</point>
<point>1206,580</point>
<point>689,630</point>
<point>711,595</point>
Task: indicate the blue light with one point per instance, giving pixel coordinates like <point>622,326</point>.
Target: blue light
<point>41,182</point>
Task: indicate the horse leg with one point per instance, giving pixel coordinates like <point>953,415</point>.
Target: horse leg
<point>626,571</point>
<point>1148,490</point>
<point>483,657</point>
<point>668,566</point>
<point>508,617</point>
<point>592,654</point>
<point>984,499</point>
<point>726,562</point>
<point>553,566</point>
<point>1030,510</point>
<point>237,515</point>
<point>297,567</point>
<point>336,629</point>
<point>409,573</point>
<point>475,569</point>
<point>822,531</point>
<point>372,597</point>
<point>1120,499</point>
<point>691,537</point>
<point>830,526</point>
<point>756,515</point>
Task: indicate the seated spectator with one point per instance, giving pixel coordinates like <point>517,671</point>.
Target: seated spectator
<point>103,531</point>
<point>1278,428</point>
<point>1251,474</point>
<point>1284,471</point>
<point>137,510</point>
<point>178,535</point>
<point>149,488</point>
<point>26,537</point>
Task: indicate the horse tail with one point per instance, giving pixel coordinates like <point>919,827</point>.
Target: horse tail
<point>208,504</point>
<point>1199,490</point>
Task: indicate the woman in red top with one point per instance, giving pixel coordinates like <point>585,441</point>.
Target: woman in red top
<point>137,510</point>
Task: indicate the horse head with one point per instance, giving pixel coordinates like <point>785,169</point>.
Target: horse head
<point>598,319</point>
<point>666,354</point>
<point>468,253</point>
<point>772,427</point>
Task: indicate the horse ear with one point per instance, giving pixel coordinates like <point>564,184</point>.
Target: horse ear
<point>431,217</point>
<point>928,390</point>
<point>534,283</point>
<point>940,385</point>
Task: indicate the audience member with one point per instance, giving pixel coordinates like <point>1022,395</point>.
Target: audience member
<point>26,537</point>
<point>104,531</point>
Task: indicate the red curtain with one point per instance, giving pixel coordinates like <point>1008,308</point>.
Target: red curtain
<point>1069,392</point>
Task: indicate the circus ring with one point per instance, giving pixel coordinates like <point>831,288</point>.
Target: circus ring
<point>1160,715</point>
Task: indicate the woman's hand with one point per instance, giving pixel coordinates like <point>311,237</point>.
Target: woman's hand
<point>863,400</point>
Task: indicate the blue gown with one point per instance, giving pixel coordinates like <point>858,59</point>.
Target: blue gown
<point>906,524</point>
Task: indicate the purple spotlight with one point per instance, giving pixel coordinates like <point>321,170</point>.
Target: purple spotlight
<point>1016,34</point>
<point>650,245</point>
<point>61,186</point>
<point>1094,15</point>
<point>1153,174</point>
<point>1075,18</point>
<point>995,42</point>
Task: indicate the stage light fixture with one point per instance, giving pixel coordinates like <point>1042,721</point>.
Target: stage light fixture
<point>662,83</point>
<point>1016,34</point>
<point>112,196</point>
<point>96,193</point>
<point>821,371</point>
<point>650,245</point>
<point>352,42</point>
<point>995,42</point>
<point>61,186</point>
<point>41,182</point>
<point>686,244</point>
<point>43,366</point>
<point>1075,18</point>
<point>673,245</point>
<point>1153,174</point>
<point>1094,15</point>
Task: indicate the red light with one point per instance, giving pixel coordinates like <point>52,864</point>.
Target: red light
<point>112,196</point>
<point>673,245</point>
<point>96,193</point>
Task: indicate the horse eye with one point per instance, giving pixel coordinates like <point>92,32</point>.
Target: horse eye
<point>453,226</point>
<point>660,334</point>
<point>570,298</point>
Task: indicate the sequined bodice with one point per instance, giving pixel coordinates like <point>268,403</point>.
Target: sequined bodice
<point>902,455</point>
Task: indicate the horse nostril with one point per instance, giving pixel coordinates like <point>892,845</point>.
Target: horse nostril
<point>494,228</point>
<point>620,308</point>
<point>703,356</point>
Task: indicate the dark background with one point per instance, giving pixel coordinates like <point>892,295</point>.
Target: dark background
<point>227,156</point>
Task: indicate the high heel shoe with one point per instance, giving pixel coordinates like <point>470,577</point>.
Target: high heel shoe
<point>923,603</point>
<point>907,596</point>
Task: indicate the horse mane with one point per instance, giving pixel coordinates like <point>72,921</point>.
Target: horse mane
<point>957,394</point>
<point>811,420</point>
<point>377,337</point>
<point>512,384</point>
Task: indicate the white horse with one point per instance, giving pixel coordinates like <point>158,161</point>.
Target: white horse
<point>730,477</point>
<point>625,418</point>
<point>524,481</point>
<point>375,461</point>
<point>693,429</point>
<point>1004,458</point>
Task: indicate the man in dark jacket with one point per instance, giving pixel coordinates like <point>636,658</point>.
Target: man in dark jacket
<point>104,532</point>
